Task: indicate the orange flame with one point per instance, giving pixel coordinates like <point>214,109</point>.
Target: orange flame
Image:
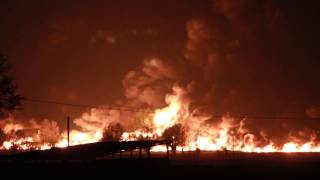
<point>227,135</point>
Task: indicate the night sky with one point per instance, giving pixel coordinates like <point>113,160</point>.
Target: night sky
<point>243,57</point>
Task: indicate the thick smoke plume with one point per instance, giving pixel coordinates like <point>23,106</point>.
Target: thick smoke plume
<point>234,72</point>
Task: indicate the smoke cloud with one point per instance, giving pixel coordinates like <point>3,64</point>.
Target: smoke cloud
<point>243,60</point>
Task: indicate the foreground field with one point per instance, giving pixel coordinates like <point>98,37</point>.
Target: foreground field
<point>182,165</point>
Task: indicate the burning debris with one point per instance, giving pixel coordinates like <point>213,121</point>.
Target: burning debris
<point>178,98</point>
<point>113,132</point>
<point>189,131</point>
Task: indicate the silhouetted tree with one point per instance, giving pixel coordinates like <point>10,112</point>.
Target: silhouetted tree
<point>10,100</point>
<point>2,137</point>
<point>113,132</point>
<point>177,132</point>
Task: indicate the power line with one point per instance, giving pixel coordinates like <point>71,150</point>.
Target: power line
<point>57,103</point>
<point>267,117</point>
<point>127,108</point>
<point>123,108</point>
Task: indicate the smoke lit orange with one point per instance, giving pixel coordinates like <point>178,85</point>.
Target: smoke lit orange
<point>226,135</point>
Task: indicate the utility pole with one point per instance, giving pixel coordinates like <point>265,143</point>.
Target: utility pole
<point>68,126</point>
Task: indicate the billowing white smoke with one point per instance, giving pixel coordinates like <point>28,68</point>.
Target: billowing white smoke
<point>149,86</point>
<point>31,133</point>
<point>97,119</point>
<point>212,74</point>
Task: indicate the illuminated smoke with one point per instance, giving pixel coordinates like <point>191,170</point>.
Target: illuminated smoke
<point>221,73</point>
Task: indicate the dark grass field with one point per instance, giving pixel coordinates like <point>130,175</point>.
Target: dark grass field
<point>188,165</point>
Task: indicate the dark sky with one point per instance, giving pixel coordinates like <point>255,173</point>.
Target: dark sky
<point>61,51</point>
<point>243,57</point>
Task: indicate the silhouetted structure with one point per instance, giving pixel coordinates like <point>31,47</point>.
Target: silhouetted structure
<point>68,127</point>
<point>88,151</point>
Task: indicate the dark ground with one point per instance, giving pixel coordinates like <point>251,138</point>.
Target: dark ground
<point>208,165</point>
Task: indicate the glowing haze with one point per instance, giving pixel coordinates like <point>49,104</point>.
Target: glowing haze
<point>189,127</point>
<point>227,134</point>
<point>206,72</point>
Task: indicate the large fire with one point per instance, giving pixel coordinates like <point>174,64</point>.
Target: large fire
<point>226,135</point>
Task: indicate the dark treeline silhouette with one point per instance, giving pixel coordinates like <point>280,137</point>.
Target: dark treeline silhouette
<point>10,100</point>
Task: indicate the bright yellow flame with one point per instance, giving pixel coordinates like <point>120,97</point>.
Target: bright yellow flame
<point>225,135</point>
<point>166,117</point>
<point>7,145</point>
<point>289,147</point>
<point>77,137</point>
